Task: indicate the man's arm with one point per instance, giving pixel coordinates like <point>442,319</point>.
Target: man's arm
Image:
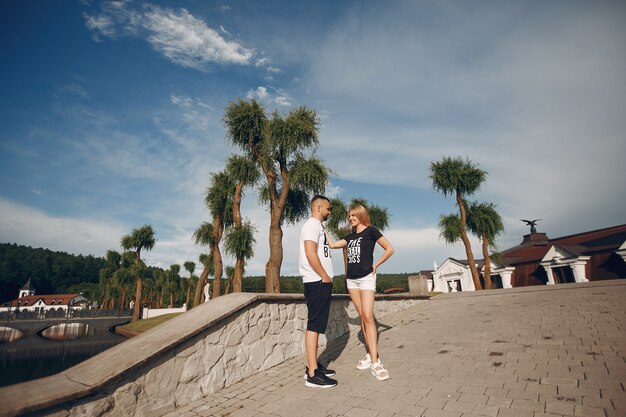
<point>310,249</point>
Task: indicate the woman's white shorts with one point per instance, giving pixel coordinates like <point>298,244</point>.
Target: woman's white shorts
<point>368,282</point>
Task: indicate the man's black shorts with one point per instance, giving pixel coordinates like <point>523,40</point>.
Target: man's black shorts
<point>317,295</point>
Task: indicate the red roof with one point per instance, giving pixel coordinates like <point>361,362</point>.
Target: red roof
<point>584,243</point>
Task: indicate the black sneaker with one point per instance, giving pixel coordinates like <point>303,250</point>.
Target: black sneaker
<point>322,368</point>
<point>319,380</point>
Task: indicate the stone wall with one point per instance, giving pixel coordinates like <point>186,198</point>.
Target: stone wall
<point>256,337</point>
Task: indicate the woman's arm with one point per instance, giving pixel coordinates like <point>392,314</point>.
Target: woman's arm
<point>384,243</point>
<point>335,245</point>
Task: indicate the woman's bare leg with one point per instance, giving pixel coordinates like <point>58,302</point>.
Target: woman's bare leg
<point>367,318</point>
<point>355,296</point>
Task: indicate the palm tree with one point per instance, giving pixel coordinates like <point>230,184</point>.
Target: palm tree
<point>203,236</point>
<point>113,260</point>
<point>219,201</point>
<point>240,239</point>
<point>161,284</point>
<point>278,145</point>
<point>189,267</point>
<point>139,239</point>
<point>172,282</point>
<point>240,244</point>
<point>485,222</point>
<point>459,178</point>
<point>230,273</point>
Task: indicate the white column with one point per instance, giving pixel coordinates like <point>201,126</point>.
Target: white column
<point>578,267</point>
<point>506,275</point>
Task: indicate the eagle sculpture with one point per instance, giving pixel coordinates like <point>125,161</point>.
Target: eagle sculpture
<point>532,224</point>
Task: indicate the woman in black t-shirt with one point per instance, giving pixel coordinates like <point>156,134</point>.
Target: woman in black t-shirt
<point>361,280</point>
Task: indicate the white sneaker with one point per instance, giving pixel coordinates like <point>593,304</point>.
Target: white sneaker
<point>365,362</point>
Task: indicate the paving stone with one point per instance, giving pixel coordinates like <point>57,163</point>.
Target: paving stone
<point>485,410</point>
<point>361,412</point>
<point>526,395</point>
<point>528,404</point>
<point>560,408</point>
<point>582,411</point>
<point>440,413</point>
<point>459,406</point>
<point>515,412</point>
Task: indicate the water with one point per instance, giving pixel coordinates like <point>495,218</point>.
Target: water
<point>52,350</point>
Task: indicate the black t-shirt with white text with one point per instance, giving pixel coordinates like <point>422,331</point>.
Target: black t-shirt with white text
<point>361,251</point>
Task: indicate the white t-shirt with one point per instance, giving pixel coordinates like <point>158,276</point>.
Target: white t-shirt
<point>313,230</point>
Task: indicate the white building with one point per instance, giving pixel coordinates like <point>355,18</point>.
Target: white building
<point>28,301</point>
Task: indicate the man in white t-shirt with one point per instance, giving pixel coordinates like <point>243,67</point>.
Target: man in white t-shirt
<point>316,268</point>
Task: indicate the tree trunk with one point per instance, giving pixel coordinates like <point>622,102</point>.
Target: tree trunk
<point>197,297</point>
<point>237,204</point>
<point>277,205</point>
<point>123,299</point>
<point>217,277</point>
<point>217,255</point>
<point>188,293</point>
<point>487,258</point>
<point>466,242</point>
<point>137,307</point>
<point>272,268</point>
<point>238,275</point>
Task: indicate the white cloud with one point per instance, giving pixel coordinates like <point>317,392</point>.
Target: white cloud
<point>283,101</point>
<point>88,236</point>
<point>176,34</point>
<point>260,92</point>
<point>273,69</point>
<point>261,61</point>
<point>100,25</point>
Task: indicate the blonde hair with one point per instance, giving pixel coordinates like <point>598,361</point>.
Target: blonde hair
<point>361,213</point>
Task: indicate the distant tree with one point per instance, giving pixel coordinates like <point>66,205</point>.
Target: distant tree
<point>230,273</point>
<point>113,260</point>
<point>203,236</point>
<point>239,242</point>
<point>283,147</point>
<point>161,284</point>
<point>219,201</point>
<point>139,239</point>
<point>240,238</point>
<point>172,282</point>
<point>189,267</point>
<point>460,178</point>
<point>485,222</point>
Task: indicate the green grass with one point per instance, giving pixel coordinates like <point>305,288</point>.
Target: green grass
<point>147,324</point>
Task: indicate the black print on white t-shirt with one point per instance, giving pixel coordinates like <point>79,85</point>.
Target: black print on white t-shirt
<point>354,251</point>
<point>326,248</point>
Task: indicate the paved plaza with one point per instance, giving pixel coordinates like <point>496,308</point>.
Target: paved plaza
<point>528,352</point>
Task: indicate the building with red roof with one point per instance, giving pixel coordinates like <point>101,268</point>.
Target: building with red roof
<point>28,301</point>
<point>539,260</point>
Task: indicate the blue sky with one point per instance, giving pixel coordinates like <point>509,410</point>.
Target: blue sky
<point>111,113</point>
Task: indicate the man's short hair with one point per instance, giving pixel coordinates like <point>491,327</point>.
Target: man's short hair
<point>318,197</point>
